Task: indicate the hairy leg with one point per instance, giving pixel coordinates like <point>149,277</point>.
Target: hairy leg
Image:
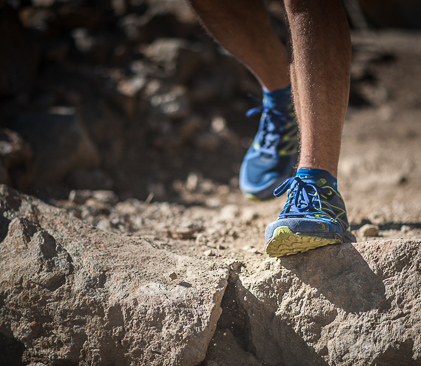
<point>320,75</point>
<point>243,28</point>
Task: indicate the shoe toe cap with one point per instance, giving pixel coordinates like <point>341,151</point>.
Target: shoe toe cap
<point>304,226</point>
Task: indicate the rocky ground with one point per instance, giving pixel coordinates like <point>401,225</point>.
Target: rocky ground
<point>171,182</point>
<point>379,173</point>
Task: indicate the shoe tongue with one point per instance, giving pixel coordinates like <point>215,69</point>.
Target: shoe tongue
<point>320,179</point>
<point>281,102</point>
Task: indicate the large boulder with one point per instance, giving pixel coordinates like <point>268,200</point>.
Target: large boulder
<point>350,304</point>
<point>72,294</point>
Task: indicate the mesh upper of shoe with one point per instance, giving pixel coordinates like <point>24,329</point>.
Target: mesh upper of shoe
<point>273,153</point>
<point>311,208</point>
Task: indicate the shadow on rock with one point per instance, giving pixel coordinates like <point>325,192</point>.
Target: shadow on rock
<point>250,331</point>
<point>333,305</point>
<point>342,275</point>
<point>271,336</point>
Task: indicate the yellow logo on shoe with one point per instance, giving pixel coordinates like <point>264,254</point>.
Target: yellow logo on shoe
<point>320,226</point>
<point>321,182</point>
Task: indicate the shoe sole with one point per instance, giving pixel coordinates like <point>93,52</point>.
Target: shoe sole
<point>252,197</point>
<point>285,242</point>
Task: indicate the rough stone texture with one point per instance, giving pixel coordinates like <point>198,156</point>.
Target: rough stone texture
<point>71,294</point>
<point>352,304</point>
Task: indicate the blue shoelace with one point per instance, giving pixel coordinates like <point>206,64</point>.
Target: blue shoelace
<point>305,200</point>
<point>272,125</point>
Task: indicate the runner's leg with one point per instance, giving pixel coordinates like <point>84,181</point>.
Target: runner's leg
<point>243,28</point>
<point>321,73</point>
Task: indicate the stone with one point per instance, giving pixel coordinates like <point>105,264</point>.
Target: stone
<point>218,124</point>
<point>178,58</point>
<point>103,224</point>
<point>180,233</point>
<point>15,159</point>
<point>209,253</point>
<point>405,228</point>
<point>229,212</point>
<point>59,142</point>
<point>249,214</point>
<point>129,207</point>
<point>96,208</point>
<point>14,150</point>
<point>201,239</point>
<point>192,182</point>
<point>172,102</point>
<point>129,90</point>
<point>72,294</point>
<point>157,23</point>
<point>369,230</point>
<point>79,196</point>
<point>105,196</point>
<point>349,304</point>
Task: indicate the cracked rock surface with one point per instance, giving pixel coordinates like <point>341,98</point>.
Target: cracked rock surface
<point>75,294</point>
<point>353,304</point>
<point>72,294</point>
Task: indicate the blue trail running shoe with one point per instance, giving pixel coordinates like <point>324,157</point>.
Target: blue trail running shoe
<point>314,216</point>
<point>273,154</point>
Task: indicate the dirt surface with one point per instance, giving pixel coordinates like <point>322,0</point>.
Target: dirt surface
<point>379,170</point>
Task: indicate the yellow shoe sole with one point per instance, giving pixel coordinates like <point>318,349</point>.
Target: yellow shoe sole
<point>252,197</point>
<point>285,242</point>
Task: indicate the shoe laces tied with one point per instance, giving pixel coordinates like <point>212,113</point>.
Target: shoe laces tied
<point>272,125</point>
<point>306,198</point>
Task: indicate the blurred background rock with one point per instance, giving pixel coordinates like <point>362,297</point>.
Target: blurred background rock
<point>133,95</point>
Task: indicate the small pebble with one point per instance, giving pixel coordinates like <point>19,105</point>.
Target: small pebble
<point>229,212</point>
<point>247,248</point>
<point>213,202</point>
<point>106,197</point>
<point>209,253</point>
<point>405,228</point>
<point>79,196</point>
<point>103,224</point>
<point>173,276</point>
<point>201,239</point>
<point>249,214</point>
<point>181,233</point>
<point>369,230</point>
